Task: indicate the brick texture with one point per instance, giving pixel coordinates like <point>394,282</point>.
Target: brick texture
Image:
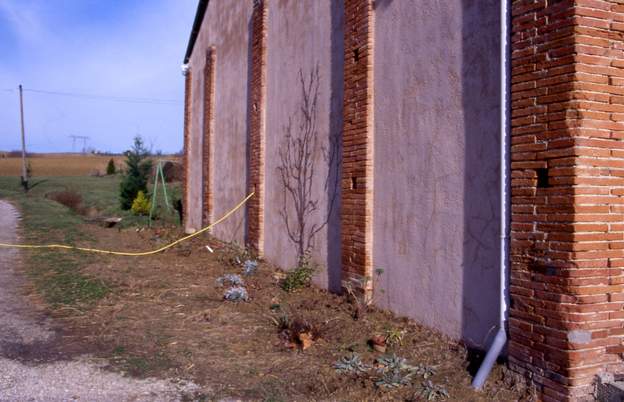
<point>357,137</point>
<point>187,133</point>
<point>208,140</point>
<point>567,231</point>
<point>257,113</point>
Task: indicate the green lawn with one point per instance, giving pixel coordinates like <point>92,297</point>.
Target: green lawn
<point>57,274</point>
<point>99,192</point>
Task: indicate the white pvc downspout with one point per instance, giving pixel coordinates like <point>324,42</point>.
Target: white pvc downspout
<point>501,336</point>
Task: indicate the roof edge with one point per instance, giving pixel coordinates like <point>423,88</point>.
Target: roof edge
<point>202,6</point>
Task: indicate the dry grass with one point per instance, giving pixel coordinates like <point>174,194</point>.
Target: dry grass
<point>44,165</point>
<point>166,317</point>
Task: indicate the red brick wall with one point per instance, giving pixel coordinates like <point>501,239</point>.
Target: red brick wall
<point>187,128</point>
<point>207,143</point>
<point>357,137</point>
<point>567,247</point>
<point>257,113</point>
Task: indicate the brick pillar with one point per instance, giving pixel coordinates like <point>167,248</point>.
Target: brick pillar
<point>208,140</point>
<point>357,137</point>
<point>257,112</point>
<point>187,133</point>
<point>567,231</point>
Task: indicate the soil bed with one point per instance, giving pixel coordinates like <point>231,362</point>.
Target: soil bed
<point>165,316</point>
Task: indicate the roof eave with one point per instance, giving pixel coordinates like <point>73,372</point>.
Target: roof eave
<point>199,17</point>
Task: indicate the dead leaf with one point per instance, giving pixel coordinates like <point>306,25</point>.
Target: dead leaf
<point>305,339</point>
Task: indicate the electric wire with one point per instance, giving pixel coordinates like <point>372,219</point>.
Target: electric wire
<point>122,99</point>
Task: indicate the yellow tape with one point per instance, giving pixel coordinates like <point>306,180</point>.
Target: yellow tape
<point>95,250</point>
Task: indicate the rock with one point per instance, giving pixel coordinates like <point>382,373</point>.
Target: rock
<point>110,222</point>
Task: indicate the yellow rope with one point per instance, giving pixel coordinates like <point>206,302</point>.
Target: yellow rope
<point>163,248</point>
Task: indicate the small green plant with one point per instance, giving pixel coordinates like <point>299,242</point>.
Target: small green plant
<point>250,267</point>
<point>301,276</point>
<point>357,290</point>
<point>351,364</point>
<point>433,392</point>
<point>236,293</point>
<point>394,378</point>
<point>141,205</point>
<point>281,321</point>
<point>394,336</point>
<point>234,255</point>
<point>110,168</point>
<point>232,279</point>
<point>395,371</point>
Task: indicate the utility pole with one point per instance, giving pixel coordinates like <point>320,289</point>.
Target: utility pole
<point>24,169</point>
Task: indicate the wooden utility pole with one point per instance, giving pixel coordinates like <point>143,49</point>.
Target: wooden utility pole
<point>24,169</point>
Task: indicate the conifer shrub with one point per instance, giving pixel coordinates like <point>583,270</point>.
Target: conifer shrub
<point>110,168</point>
<point>138,168</point>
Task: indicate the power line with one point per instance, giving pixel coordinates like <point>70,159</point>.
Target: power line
<point>122,99</point>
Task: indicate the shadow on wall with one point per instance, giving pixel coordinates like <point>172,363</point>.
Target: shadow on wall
<point>480,104</point>
<point>301,135</point>
<point>335,133</point>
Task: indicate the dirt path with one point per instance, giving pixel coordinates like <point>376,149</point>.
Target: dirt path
<point>32,366</point>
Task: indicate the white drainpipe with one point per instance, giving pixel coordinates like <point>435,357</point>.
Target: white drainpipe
<point>501,336</point>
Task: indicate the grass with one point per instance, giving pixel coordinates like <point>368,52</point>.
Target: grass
<point>100,193</point>
<point>57,275</point>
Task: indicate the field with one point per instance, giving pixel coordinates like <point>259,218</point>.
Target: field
<point>165,315</point>
<point>62,164</point>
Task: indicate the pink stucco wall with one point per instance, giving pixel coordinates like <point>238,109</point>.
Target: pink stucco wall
<point>436,231</point>
<point>300,38</point>
<point>436,202</point>
<point>225,26</point>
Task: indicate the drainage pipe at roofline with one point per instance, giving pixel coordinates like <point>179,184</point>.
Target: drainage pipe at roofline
<point>501,336</point>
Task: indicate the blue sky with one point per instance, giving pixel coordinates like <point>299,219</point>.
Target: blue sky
<point>119,48</point>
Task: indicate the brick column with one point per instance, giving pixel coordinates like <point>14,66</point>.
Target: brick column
<point>257,112</point>
<point>187,133</point>
<point>567,247</point>
<point>357,137</point>
<point>208,140</point>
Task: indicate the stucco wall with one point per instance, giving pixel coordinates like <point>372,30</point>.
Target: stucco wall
<point>304,38</point>
<point>225,26</point>
<point>436,202</point>
<point>436,231</point>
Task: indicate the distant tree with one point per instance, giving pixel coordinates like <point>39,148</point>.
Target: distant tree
<point>138,168</point>
<point>110,168</point>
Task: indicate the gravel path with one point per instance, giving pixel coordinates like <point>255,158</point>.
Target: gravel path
<point>29,372</point>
